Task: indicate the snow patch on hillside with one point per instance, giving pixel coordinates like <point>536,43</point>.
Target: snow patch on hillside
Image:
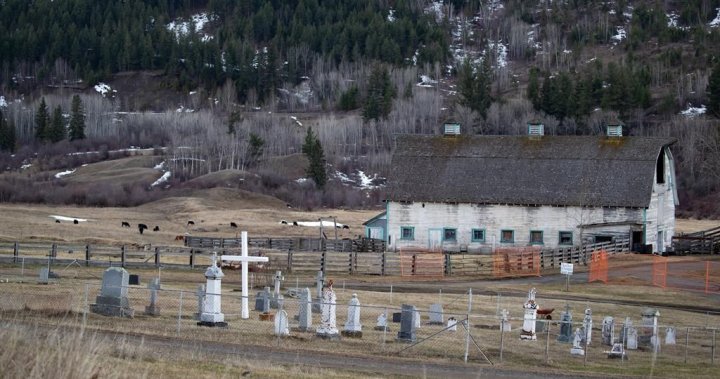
<point>164,178</point>
<point>716,21</point>
<point>65,218</point>
<point>620,34</point>
<point>104,89</point>
<point>64,173</point>
<point>692,112</point>
<point>181,28</point>
<point>3,103</point>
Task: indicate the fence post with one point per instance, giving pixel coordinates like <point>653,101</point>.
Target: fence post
<point>350,261</point>
<point>15,252</point>
<point>157,257</point>
<point>467,326</point>
<point>547,340</point>
<point>85,309</point>
<point>382,266</point>
<point>289,260</point>
<point>712,357</point>
<point>177,333</point>
<point>687,340</point>
<point>707,277</point>
<point>53,251</point>
<point>502,336</point>
<point>192,258</point>
<point>87,255</point>
<point>122,256</point>
<point>322,260</point>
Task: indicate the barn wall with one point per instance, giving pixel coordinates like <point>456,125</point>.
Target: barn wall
<point>426,217</point>
<point>660,214</point>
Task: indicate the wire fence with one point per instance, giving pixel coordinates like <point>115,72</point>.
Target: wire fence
<point>469,327</point>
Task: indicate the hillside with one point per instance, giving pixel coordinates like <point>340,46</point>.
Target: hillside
<point>234,86</point>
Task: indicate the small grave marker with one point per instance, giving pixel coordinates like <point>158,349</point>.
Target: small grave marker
<point>353,328</point>
<point>566,329</point>
<point>382,323</point>
<point>436,314</point>
<point>281,324</point>
<point>153,309</point>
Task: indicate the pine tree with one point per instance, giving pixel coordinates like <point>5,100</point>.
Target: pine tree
<point>380,95</point>
<point>256,147</point>
<point>315,154</point>
<point>474,86</point>
<point>7,135</point>
<point>77,119</point>
<point>3,132</point>
<point>533,89</point>
<point>713,91</point>
<point>41,121</point>
<point>56,132</point>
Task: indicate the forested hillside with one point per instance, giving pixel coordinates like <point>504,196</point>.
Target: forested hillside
<point>238,85</point>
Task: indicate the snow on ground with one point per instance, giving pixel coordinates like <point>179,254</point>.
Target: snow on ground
<point>65,218</point>
<point>103,89</point>
<point>501,52</point>
<point>64,173</point>
<point>181,27</point>
<point>164,178</point>
<point>366,182</point>
<point>436,8</point>
<point>426,81</point>
<point>294,118</point>
<point>391,15</point>
<point>691,111</point>
<point>3,103</point>
<point>185,110</point>
<point>620,34</point>
<point>26,166</point>
<point>301,180</point>
<point>325,223</point>
<point>716,21</point>
<point>159,166</point>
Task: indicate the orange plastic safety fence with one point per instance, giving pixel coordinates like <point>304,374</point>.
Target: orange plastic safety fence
<point>422,263</point>
<point>598,267</point>
<point>712,277</point>
<point>659,272</point>
<point>521,261</point>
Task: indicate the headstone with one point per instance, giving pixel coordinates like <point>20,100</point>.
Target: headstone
<point>397,317</point>
<point>382,323</point>
<point>305,316</point>
<point>632,338</point>
<point>529,317</point>
<point>452,324</point>
<point>281,324</point>
<point>211,314</point>
<point>626,326</point>
<point>670,335</point>
<point>407,324</point>
<point>153,309</point>
<point>417,320</point>
<point>617,351</point>
<point>648,335</point>
<point>436,315</point>
<point>578,347</point>
<point>566,329</point>
<point>540,325</point>
<point>587,325</point>
<point>353,328</point>
<point>505,321</point>
<point>276,300</point>
<point>262,301</point>
<point>113,300</point>
<point>319,281</point>
<point>134,280</point>
<point>44,275</point>
<point>608,331</point>
<point>328,328</point>
<point>200,293</point>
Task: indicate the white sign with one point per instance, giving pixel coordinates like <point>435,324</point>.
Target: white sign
<point>566,268</point>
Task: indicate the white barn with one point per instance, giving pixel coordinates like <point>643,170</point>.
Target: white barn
<point>477,193</point>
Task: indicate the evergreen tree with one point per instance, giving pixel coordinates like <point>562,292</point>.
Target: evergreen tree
<point>42,119</point>
<point>77,119</point>
<point>349,99</point>
<point>256,147</point>
<point>56,132</point>
<point>533,89</point>
<point>380,95</point>
<point>474,86</point>
<point>314,153</point>
<point>713,91</point>
<point>7,135</point>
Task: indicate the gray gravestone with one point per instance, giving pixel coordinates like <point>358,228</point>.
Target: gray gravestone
<point>632,338</point>
<point>262,301</point>
<point>626,326</point>
<point>436,315</point>
<point>648,332</point>
<point>587,325</point>
<point>44,275</point>
<point>153,309</point>
<point>608,331</point>
<point>505,321</point>
<point>566,329</point>
<point>670,336</point>
<point>276,301</point>
<point>407,324</point>
<point>578,347</point>
<point>382,323</point>
<point>319,281</point>
<point>305,316</point>
<point>281,324</point>
<point>113,300</point>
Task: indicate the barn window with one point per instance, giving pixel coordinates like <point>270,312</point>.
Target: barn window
<point>536,237</point>
<point>565,238</point>
<point>407,233</point>
<point>450,234</point>
<point>507,236</point>
<point>478,235</point>
<point>660,174</point>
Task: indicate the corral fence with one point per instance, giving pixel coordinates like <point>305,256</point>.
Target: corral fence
<point>532,261</point>
<point>290,244</point>
<point>702,242</point>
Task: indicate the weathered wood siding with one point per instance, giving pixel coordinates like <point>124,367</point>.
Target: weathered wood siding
<point>428,217</point>
<point>660,215</point>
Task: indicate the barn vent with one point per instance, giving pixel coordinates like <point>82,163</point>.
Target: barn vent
<point>451,129</point>
<point>615,129</point>
<point>536,128</point>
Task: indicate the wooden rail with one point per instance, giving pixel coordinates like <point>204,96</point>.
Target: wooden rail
<point>291,244</point>
<point>702,242</point>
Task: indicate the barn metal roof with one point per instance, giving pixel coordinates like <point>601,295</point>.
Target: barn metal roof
<point>547,170</point>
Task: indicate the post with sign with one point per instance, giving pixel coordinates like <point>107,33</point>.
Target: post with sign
<point>567,270</point>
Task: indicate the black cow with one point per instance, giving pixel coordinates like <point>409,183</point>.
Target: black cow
<point>191,222</point>
<point>125,224</point>
<point>75,221</point>
<point>346,227</point>
<point>233,225</point>
<point>142,227</point>
<point>283,222</point>
<point>156,228</point>
<point>57,221</point>
<point>295,223</point>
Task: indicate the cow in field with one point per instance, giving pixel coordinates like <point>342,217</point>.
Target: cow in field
<point>57,221</point>
<point>125,224</point>
<point>142,227</point>
<point>156,228</point>
<point>233,225</point>
<point>179,238</point>
<point>75,221</point>
<point>191,223</point>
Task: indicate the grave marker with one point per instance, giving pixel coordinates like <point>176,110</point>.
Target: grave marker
<point>608,331</point>
<point>529,317</point>
<point>452,324</point>
<point>328,327</point>
<point>670,335</point>
<point>577,348</point>
<point>382,323</point>
<point>281,324</point>
<point>566,329</point>
<point>211,313</point>
<point>407,324</point>
<point>436,314</point>
<point>305,316</point>
<point>113,300</point>
<point>505,321</point>
<point>648,336</point>
<point>587,325</point>
<point>353,328</point>
<point>153,309</point>
<point>244,259</point>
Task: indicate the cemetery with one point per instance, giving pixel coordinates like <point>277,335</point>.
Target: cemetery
<point>505,324</point>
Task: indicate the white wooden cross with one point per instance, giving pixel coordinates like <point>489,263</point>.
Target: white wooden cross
<point>244,259</point>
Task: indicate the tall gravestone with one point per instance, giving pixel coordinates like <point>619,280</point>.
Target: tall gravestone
<point>417,320</point>
<point>529,317</point>
<point>623,331</point>
<point>211,314</point>
<point>632,338</point>
<point>578,347</point>
<point>407,324</point>
<point>452,324</point>
<point>608,331</point>
<point>328,326</point>
<point>353,328</point>
<point>505,321</point>
<point>670,335</point>
<point>277,299</point>
<point>587,325</point>
<point>648,334</point>
<point>436,315</point>
<point>153,309</point>
<point>113,300</point>
<point>305,316</point>
<point>566,329</point>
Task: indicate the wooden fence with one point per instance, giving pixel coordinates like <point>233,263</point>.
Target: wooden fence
<point>703,242</point>
<point>288,260</point>
<point>291,244</point>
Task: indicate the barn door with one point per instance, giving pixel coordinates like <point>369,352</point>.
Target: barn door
<point>435,239</point>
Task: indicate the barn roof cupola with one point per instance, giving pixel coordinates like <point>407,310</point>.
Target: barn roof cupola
<point>536,128</point>
<point>451,129</point>
<point>615,128</point>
